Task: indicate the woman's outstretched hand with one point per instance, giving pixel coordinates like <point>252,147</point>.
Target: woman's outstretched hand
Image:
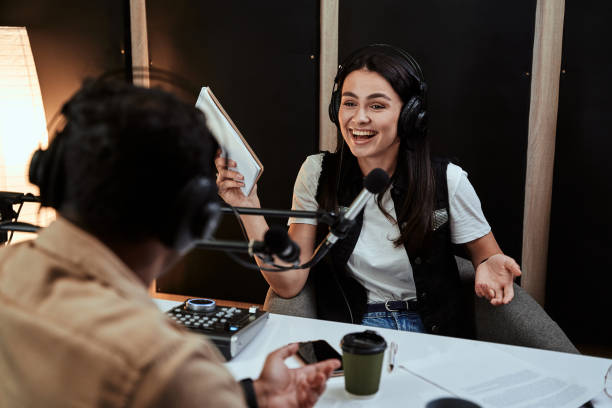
<point>495,277</point>
<point>280,386</point>
<point>229,183</point>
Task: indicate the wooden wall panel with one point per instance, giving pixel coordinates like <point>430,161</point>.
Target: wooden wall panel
<point>139,42</point>
<point>541,148</point>
<point>328,67</point>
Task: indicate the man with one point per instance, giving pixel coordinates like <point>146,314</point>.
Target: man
<point>129,176</point>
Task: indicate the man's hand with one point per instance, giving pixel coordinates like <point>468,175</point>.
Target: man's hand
<point>279,386</point>
<point>494,279</point>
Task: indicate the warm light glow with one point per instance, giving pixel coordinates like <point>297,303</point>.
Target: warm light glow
<point>22,120</point>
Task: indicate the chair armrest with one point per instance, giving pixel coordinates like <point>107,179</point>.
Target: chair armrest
<point>522,322</point>
<point>301,305</point>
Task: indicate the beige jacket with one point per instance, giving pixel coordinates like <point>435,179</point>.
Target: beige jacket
<point>78,329</point>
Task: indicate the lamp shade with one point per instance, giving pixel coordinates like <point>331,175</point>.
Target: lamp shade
<point>22,120</point>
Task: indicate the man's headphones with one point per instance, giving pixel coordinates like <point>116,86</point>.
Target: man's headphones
<point>413,115</point>
<point>194,216</point>
<point>46,167</point>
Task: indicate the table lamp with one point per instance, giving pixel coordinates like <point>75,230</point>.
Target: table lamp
<point>22,122</point>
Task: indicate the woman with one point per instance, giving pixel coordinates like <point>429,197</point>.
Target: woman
<point>395,268</point>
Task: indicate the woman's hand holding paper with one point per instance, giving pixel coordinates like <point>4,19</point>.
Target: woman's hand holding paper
<point>229,183</point>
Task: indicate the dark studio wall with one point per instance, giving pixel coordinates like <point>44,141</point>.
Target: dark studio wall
<point>256,57</point>
<point>474,55</point>
<point>259,66</point>
<point>476,64</point>
<point>70,41</point>
<point>579,263</point>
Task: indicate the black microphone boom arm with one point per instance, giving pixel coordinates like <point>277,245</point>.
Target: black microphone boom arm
<point>326,217</point>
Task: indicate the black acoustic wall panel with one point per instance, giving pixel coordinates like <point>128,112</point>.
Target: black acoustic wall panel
<point>580,266</point>
<point>475,55</point>
<point>261,61</point>
<point>71,40</point>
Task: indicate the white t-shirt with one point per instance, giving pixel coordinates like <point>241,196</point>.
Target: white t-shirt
<point>383,269</point>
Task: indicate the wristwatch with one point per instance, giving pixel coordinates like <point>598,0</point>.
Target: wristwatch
<point>249,392</point>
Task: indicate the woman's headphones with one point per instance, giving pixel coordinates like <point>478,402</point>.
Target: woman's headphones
<point>413,116</point>
<point>194,216</point>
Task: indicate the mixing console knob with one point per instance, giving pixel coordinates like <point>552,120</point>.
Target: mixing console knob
<point>200,305</point>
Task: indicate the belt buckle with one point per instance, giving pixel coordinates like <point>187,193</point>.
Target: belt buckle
<point>388,308</point>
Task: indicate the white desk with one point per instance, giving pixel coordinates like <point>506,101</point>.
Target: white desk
<point>400,386</point>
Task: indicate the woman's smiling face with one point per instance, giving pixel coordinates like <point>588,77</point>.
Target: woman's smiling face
<point>368,115</point>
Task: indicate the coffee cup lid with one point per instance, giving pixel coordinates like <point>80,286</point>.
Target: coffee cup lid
<point>451,403</point>
<point>366,342</point>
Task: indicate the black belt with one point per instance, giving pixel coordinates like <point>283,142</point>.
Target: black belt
<point>394,306</point>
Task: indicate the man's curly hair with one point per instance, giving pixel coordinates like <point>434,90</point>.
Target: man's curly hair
<point>128,151</point>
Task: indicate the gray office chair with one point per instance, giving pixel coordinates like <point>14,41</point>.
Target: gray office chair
<point>522,322</point>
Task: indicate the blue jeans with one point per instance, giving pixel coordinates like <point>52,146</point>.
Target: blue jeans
<point>405,320</point>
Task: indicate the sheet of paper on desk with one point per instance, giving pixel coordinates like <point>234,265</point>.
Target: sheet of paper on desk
<point>494,378</point>
<point>233,144</point>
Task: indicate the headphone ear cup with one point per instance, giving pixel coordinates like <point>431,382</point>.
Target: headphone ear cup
<point>47,172</point>
<point>412,121</point>
<point>36,165</point>
<point>420,124</point>
<point>408,115</point>
<point>334,107</point>
<point>195,215</point>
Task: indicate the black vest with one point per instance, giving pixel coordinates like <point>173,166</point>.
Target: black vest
<point>342,298</point>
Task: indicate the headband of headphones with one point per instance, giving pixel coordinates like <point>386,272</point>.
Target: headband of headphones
<point>415,70</point>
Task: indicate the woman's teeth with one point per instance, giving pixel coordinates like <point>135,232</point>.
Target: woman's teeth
<point>363,134</point>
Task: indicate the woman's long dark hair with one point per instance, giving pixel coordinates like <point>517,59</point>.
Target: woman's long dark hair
<point>413,160</point>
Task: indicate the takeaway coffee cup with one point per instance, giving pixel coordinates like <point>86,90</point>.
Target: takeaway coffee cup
<point>362,357</point>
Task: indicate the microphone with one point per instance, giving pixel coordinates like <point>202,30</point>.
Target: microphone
<point>374,183</point>
<point>278,242</point>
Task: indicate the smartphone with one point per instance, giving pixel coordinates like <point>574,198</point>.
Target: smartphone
<point>318,350</point>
